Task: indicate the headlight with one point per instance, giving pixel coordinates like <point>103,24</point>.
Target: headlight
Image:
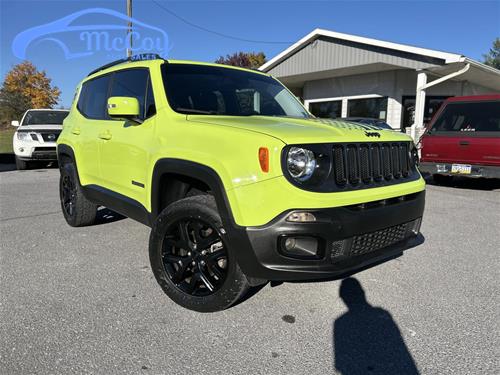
<point>301,163</point>
<point>22,136</point>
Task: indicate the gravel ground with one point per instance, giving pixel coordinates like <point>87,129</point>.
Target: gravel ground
<point>85,301</point>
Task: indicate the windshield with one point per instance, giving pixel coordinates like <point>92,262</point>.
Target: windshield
<point>469,117</point>
<point>44,117</point>
<point>210,90</point>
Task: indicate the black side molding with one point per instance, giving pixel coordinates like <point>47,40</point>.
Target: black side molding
<point>117,202</point>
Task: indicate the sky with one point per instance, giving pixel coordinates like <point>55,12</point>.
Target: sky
<point>205,30</point>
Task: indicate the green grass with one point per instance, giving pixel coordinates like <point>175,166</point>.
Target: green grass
<point>6,140</point>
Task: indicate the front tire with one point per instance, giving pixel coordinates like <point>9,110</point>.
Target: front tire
<point>190,257</point>
<point>21,164</point>
<point>77,210</point>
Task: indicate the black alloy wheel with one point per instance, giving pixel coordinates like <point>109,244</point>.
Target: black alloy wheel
<point>68,195</point>
<point>194,257</point>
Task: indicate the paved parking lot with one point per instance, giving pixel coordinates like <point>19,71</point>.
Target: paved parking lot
<point>85,301</point>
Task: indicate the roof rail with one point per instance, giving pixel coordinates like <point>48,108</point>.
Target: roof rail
<point>139,57</point>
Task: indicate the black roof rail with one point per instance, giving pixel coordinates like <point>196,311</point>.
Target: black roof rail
<point>139,57</point>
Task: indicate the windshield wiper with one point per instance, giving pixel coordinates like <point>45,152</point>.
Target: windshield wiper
<point>195,111</point>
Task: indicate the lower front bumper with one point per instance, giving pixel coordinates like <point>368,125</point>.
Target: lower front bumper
<point>486,171</point>
<point>41,153</point>
<point>348,239</point>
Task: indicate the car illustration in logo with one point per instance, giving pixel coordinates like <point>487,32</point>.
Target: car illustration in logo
<point>95,37</point>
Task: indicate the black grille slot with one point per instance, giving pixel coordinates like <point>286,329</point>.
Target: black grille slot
<point>405,159</point>
<point>364,163</point>
<point>371,164</point>
<point>396,165</point>
<point>377,172</point>
<point>386,161</point>
<point>339,167</point>
<point>352,165</point>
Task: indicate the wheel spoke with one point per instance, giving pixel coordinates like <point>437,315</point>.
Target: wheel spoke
<point>206,281</point>
<point>184,235</point>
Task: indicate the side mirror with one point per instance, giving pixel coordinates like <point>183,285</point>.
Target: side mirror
<point>124,108</point>
<point>15,123</point>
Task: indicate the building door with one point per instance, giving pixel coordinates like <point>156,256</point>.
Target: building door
<point>432,104</point>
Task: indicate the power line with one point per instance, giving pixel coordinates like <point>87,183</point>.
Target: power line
<point>212,31</point>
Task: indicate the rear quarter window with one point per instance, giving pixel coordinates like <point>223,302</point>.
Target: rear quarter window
<point>469,117</point>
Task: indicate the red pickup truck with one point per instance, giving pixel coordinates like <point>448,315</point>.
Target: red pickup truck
<point>463,138</point>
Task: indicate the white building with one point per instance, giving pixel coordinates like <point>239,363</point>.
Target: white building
<point>342,75</point>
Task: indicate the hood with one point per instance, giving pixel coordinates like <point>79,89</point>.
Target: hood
<point>303,131</point>
<point>35,128</point>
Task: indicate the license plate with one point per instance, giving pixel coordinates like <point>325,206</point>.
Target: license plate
<point>461,168</point>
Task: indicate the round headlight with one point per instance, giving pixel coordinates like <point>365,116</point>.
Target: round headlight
<point>301,163</point>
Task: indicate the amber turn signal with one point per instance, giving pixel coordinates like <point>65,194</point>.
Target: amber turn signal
<point>264,159</point>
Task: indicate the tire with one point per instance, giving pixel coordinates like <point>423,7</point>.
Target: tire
<point>77,210</point>
<point>21,164</point>
<point>201,248</point>
<point>442,179</point>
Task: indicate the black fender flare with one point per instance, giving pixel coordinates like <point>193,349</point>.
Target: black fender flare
<point>196,171</point>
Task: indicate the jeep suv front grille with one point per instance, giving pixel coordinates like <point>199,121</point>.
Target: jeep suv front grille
<point>361,164</point>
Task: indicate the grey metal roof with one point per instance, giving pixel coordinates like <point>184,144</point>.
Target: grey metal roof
<point>327,53</point>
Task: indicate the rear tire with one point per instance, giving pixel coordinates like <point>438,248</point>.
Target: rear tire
<point>190,257</point>
<point>21,164</point>
<point>77,210</point>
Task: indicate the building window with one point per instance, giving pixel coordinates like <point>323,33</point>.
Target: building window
<point>369,107</point>
<point>432,104</point>
<point>331,109</point>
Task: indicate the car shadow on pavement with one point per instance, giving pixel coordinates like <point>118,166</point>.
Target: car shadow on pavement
<point>459,182</point>
<point>366,339</point>
<point>106,216</point>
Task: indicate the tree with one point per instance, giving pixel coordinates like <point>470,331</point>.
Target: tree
<point>492,58</point>
<point>250,60</point>
<point>25,87</point>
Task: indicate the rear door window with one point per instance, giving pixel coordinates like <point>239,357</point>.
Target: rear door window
<point>471,117</point>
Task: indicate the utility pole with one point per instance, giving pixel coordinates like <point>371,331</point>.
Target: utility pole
<point>129,28</point>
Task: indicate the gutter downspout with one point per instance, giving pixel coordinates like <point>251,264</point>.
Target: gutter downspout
<point>420,96</point>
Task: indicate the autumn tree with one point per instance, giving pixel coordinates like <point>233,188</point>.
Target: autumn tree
<point>25,87</point>
<point>492,58</point>
<point>250,60</point>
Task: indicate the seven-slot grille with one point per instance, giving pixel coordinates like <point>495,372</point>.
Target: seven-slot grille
<point>368,163</point>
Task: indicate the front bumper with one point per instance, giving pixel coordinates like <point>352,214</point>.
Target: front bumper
<point>348,238</point>
<point>486,171</point>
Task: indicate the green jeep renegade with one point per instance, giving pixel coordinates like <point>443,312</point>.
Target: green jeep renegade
<point>239,183</point>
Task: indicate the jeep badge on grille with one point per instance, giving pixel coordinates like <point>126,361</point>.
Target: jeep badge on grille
<point>372,134</point>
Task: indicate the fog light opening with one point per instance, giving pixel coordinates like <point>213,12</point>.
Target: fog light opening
<point>301,217</point>
<point>300,247</point>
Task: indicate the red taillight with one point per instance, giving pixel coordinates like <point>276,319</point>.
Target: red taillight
<point>264,159</point>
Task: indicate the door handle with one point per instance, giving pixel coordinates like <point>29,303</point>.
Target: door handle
<point>463,143</point>
<point>76,131</point>
<point>105,135</point>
